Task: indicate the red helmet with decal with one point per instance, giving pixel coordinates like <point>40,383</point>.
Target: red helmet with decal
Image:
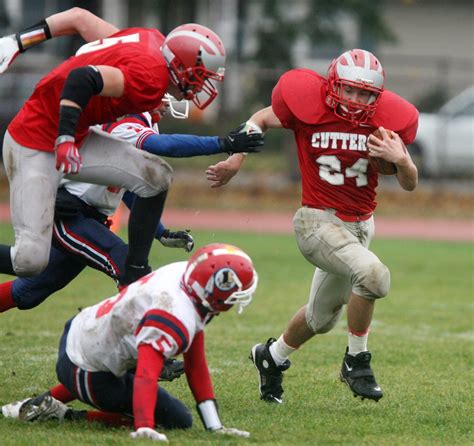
<point>358,69</point>
<point>219,276</point>
<point>195,56</point>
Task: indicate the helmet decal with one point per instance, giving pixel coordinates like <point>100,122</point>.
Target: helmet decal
<point>226,279</point>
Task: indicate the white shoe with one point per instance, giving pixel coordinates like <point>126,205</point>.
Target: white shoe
<point>12,410</point>
<point>48,409</point>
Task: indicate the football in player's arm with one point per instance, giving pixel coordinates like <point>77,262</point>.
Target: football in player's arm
<point>334,139</point>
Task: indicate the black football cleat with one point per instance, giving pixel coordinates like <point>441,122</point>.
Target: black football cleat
<point>270,375</point>
<point>358,375</point>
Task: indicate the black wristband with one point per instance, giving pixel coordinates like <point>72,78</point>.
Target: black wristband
<point>33,35</point>
<point>68,118</point>
<point>81,84</point>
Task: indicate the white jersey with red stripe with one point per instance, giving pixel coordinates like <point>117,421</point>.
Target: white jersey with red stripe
<point>132,129</point>
<point>154,310</point>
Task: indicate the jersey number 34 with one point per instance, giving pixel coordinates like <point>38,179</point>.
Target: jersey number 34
<point>330,170</point>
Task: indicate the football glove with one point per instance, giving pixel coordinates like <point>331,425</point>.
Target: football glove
<point>172,369</point>
<point>148,432</point>
<point>68,159</point>
<point>177,239</point>
<point>241,141</point>
<point>8,51</point>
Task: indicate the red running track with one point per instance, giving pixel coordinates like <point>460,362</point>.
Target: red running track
<point>281,223</point>
<point>395,228</point>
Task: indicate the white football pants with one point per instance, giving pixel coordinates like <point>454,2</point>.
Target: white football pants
<point>34,181</point>
<point>344,263</point>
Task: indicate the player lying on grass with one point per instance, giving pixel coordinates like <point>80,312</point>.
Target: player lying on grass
<point>81,234</point>
<point>336,146</point>
<point>111,354</point>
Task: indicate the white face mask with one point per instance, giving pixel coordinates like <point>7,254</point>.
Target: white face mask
<point>178,109</point>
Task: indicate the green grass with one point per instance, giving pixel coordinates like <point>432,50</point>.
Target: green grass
<point>422,341</point>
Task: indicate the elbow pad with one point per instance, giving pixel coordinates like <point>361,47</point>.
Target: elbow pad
<point>81,84</point>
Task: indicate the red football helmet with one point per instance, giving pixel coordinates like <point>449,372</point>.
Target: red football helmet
<point>359,69</point>
<point>220,275</point>
<point>195,55</point>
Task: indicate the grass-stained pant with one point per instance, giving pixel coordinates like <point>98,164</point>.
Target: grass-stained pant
<point>110,393</point>
<point>344,263</point>
<point>34,181</point>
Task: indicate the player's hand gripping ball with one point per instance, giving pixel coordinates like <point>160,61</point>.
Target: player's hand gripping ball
<point>380,165</point>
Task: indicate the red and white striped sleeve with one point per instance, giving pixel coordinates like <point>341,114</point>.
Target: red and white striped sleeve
<point>130,129</point>
<point>163,331</point>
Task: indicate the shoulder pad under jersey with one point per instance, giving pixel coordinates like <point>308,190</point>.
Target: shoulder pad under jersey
<point>397,114</point>
<point>302,93</point>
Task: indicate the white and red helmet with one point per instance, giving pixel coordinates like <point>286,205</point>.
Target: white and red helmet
<point>195,56</point>
<point>360,69</point>
<point>219,276</point>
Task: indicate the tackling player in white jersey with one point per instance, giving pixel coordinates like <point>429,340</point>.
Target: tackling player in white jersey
<point>81,235</point>
<point>111,354</point>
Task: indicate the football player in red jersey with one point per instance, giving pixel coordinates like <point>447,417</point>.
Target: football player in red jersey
<point>332,120</point>
<point>115,73</point>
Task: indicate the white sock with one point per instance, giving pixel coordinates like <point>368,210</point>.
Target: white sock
<point>280,351</point>
<point>357,344</point>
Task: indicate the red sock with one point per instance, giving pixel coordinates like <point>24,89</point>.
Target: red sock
<point>6,299</point>
<point>61,393</point>
<point>108,418</point>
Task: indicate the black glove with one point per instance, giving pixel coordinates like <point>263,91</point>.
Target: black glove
<point>177,239</point>
<point>172,369</point>
<point>238,141</point>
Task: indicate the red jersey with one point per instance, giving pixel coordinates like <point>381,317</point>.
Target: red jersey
<point>135,51</point>
<point>332,152</point>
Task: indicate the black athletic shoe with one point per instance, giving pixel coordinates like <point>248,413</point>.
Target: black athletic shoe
<point>270,375</point>
<point>172,369</point>
<point>358,375</point>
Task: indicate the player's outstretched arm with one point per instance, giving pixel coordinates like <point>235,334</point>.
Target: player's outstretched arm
<point>70,22</point>
<point>266,119</point>
<point>179,146</point>
<point>221,173</point>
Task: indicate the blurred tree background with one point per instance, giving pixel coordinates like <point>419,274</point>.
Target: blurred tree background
<point>422,45</point>
<point>276,36</point>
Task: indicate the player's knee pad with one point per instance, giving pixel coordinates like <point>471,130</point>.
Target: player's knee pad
<point>157,176</point>
<point>373,281</point>
<point>30,260</point>
<point>321,326</point>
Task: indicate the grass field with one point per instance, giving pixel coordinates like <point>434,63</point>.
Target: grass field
<point>422,342</point>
